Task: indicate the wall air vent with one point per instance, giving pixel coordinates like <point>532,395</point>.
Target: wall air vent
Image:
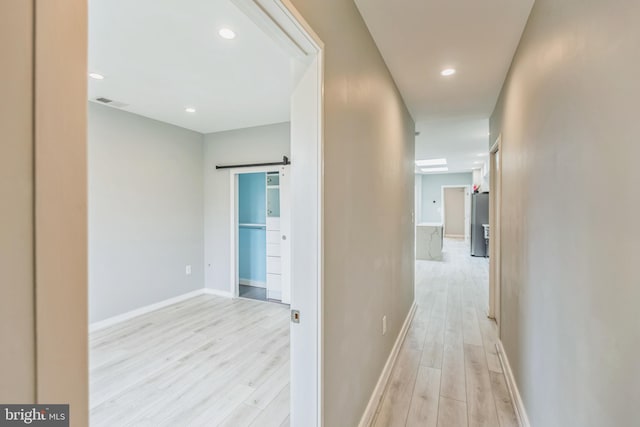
<point>111,102</point>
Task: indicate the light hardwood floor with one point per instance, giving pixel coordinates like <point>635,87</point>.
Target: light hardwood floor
<point>448,373</point>
<point>206,361</point>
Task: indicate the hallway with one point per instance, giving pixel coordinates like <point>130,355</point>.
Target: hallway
<point>448,373</point>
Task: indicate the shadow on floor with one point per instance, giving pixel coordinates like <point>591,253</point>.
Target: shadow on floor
<point>253,292</point>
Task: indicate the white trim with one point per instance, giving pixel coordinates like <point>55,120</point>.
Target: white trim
<point>217,292</point>
<point>516,399</point>
<point>96,326</point>
<point>496,145</point>
<point>254,283</point>
<point>275,295</point>
<point>495,251</point>
<point>233,208</point>
<point>317,49</point>
<point>376,397</point>
<point>290,22</point>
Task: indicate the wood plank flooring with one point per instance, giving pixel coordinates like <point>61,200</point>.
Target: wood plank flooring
<point>448,373</point>
<point>206,361</point>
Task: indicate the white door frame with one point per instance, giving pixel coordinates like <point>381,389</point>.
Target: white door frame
<point>495,209</point>
<point>467,209</point>
<point>281,20</point>
<point>62,278</point>
<point>233,210</point>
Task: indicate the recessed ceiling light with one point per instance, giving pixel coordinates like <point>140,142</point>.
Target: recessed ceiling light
<point>432,162</point>
<point>488,133</point>
<point>478,163</point>
<point>226,33</point>
<point>482,154</point>
<point>434,169</point>
<point>96,76</point>
<point>190,110</point>
<point>448,72</point>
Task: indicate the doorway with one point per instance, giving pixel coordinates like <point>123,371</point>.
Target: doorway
<point>280,21</point>
<point>456,211</point>
<point>495,203</point>
<point>260,218</point>
<point>453,205</point>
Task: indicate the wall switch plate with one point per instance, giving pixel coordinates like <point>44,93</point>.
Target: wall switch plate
<point>384,324</point>
<point>187,270</point>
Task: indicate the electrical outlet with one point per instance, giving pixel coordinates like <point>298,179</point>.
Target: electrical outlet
<point>187,270</point>
<point>384,324</point>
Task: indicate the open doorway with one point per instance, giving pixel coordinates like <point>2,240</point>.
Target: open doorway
<point>261,223</point>
<point>456,211</point>
<point>168,334</point>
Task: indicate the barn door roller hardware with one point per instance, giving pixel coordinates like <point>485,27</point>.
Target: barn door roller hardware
<point>285,161</point>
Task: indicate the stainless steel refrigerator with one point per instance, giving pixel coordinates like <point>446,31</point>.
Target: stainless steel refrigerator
<point>479,216</point>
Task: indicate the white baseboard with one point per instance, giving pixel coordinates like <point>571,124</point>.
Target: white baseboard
<point>378,391</point>
<point>217,292</point>
<point>518,405</point>
<point>96,326</point>
<point>276,295</point>
<point>254,283</point>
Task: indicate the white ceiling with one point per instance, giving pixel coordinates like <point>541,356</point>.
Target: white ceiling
<point>161,56</point>
<point>460,141</point>
<point>420,38</point>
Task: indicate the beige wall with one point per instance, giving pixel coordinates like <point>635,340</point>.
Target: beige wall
<point>43,117</point>
<point>17,353</point>
<point>568,116</point>
<point>368,205</point>
<point>61,204</point>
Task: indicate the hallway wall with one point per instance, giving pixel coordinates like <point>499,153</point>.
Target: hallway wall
<point>368,241</point>
<point>568,115</point>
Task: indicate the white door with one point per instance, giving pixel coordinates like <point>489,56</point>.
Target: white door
<point>306,247</point>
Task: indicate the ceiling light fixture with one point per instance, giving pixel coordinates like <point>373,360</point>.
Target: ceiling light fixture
<point>432,162</point>
<point>482,154</point>
<point>96,76</point>
<point>190,110</point>
<point>226,33</point>
<point>448,72</point>
<point>434,169</point>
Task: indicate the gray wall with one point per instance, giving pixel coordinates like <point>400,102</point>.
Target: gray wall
<point>568,115</point>
<point>368,207</point>
<point>145,211</point>
<point>432,192</point>
<point>251,145</point>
